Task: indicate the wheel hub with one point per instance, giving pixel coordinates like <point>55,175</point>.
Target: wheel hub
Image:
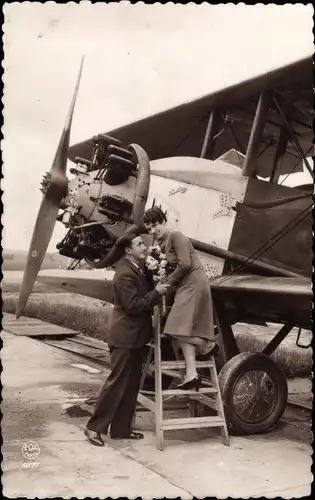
<point>254,396</point>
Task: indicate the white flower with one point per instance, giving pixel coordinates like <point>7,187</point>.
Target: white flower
<point>151,263</point>
<point>157,248</point>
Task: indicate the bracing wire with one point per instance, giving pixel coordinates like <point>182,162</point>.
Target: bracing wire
<point>189,134</point>
<point>271,242</point>
<point>292,170</point>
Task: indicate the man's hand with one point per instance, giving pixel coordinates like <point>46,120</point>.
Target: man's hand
<point>162,288</point>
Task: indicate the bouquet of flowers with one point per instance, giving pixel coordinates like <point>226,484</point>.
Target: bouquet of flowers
<point>160,268</point>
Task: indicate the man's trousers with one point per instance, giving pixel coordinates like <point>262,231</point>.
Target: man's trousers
<point>117,401</point>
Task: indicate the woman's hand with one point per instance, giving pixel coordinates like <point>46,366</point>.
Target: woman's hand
<point>162,288</point>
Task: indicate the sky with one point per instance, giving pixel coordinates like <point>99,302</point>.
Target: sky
<point>139,59</point>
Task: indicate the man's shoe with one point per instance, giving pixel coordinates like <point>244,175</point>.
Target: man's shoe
<point>94,437</point>
<point>131,435</point>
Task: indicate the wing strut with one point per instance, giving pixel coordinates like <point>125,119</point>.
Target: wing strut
<point>212,128</point>
<point>256,133</point>
<point>280,152</point>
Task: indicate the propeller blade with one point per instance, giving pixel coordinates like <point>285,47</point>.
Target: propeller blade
<point>49,208</point>
<point>142,187</point>
<point>44,227</point>
<point>60,160</point>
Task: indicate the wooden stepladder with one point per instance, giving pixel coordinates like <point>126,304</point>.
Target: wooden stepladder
<point>209,393</point>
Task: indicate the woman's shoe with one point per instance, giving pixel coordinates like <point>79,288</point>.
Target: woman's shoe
<point>194,383</point>
<point>213,351</point>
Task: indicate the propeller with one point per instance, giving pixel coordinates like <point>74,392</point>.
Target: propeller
<point>142,187</point>
<point>49,208</point>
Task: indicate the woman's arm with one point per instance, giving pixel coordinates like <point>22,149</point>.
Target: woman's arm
<point>181,246</point>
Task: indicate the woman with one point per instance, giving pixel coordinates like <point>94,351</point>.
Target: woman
<point>190,320</point>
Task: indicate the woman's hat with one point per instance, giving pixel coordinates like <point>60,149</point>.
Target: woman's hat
<point>118,250</point>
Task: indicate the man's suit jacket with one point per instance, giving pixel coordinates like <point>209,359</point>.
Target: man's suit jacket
<point>134,299</point>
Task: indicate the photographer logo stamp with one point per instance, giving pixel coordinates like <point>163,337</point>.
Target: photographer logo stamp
<point>30,451</point>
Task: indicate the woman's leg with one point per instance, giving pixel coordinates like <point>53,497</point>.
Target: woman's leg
<point>190,359</point>
<point>204,346</point>
<point>196,341</point>
<point>188,346</point>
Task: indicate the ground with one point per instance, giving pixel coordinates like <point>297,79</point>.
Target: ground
<point>45,400</point>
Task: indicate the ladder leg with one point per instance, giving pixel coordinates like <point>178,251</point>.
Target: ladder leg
<point>191,404</point>
<point>225,435</point>
<point>176,350</point>
<point>219,403</point>
<point>158,381</point>
<point>194,408</point>
<point>146,366</point>
<point>143,377</point>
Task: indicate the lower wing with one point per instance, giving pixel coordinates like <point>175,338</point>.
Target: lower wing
<point>252,299</point>
<point>96,284</point>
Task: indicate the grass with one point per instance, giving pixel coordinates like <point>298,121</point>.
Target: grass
<point>294,361</point>
<point>12,287</point>
<point>91,317</point>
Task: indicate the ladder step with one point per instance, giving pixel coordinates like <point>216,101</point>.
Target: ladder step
<point>181,392</point>
<point>192,422</point>
<point>182,364</point>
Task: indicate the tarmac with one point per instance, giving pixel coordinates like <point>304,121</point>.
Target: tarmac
<point>45,406</point>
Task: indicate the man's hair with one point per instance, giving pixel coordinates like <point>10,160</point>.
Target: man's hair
<point>154,215</point>
<point>123,242</point>
<point>126,240</point>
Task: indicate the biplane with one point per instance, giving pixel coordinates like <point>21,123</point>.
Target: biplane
<point>214,165</point>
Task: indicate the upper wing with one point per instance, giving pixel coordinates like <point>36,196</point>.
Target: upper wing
<point>260,298</point>
<point>180,131</point>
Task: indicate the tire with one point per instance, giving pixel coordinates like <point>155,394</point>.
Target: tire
<point>244,413</point>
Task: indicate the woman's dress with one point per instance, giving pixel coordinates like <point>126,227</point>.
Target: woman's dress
<point>192,313</point>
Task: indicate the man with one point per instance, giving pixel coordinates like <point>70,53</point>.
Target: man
<point>130,331</point>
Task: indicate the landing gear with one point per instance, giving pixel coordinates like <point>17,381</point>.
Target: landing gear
<point>254,393</point>
<point>97,262</point>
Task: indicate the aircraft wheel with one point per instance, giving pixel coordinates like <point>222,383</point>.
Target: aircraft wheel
<point>254,393</point>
